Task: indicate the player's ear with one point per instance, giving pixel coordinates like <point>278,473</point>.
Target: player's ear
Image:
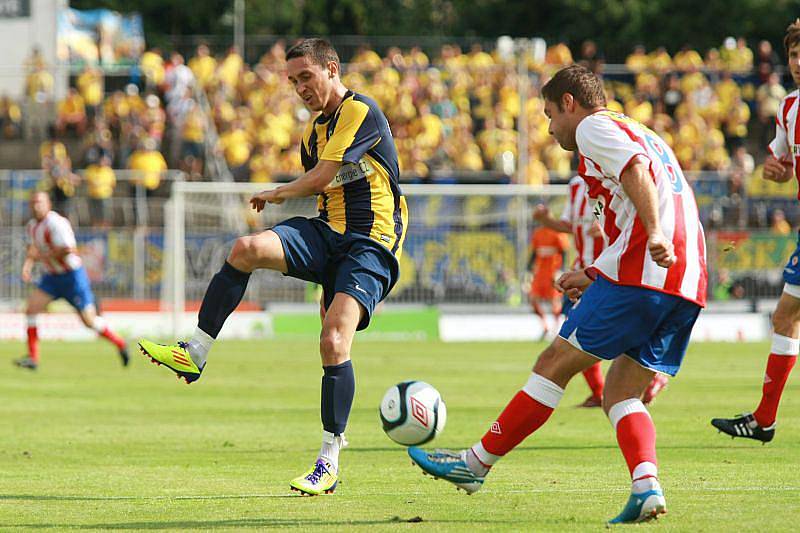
<point>333,69</point>
<point>568,102</point>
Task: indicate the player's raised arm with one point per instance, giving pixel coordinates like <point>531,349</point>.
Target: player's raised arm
<point>639,186</point>
<point>542,215</point>
<point>312,182</point>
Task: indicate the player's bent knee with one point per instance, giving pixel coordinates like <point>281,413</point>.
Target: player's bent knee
<point>334,347</point>
<point>263,250</point>
<point>243,253</point>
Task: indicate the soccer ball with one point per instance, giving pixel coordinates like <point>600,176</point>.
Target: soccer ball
<point>412,413</point>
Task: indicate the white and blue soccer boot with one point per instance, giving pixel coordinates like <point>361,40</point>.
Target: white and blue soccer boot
<point>646,502</point>
<point>449,466</point>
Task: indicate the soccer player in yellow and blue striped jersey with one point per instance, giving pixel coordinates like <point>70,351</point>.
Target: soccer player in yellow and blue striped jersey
<point>351,248</point>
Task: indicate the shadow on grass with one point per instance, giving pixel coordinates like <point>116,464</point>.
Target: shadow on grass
<point>252,522</point>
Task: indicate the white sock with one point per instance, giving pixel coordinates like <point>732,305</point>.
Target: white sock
<point>474,464</point>
<point>99,324</point>
<point>643,485</point>
<point>199,346</point>
<point>645,477</point>
<point>331,445</point>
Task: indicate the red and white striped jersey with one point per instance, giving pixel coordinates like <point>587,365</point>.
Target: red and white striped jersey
<point>579,213</point>
<point>54,231</point>
<point>607,142</point>
<point>785,146</point>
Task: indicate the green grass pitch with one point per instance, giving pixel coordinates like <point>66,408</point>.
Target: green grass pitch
<point>86,444</point>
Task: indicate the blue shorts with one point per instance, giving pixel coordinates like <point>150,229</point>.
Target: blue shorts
<point>791,272</point>
<point>566,305</point>
<point>650,327</point>
<point>348,263</point>
<point>72,286</point>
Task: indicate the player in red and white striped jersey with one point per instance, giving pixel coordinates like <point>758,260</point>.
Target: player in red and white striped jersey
<point>639,299</point>
<point>578,217</point>
<point>52,244</point>
<point>782,165</point>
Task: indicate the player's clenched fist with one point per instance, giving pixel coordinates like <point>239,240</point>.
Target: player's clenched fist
<point>260,200</point>
<point>661,250</point>
<point>573,284</point>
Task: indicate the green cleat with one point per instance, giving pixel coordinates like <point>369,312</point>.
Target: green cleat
<point>175,357</point>
<point>318,480</point>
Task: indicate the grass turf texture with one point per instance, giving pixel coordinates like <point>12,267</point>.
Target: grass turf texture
<point>87,444</point>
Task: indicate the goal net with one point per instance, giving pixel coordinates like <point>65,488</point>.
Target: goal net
<point>465,244</point>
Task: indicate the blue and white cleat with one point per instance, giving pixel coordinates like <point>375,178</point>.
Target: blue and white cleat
<point>647,503</point>
<point>449,466</point>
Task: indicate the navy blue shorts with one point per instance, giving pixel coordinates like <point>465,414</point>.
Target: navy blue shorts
<point>72,286</point>
<point>650,327</point>
<point>791,272</point>
<point>348,263</point>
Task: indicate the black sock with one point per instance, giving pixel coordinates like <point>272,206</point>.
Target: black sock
<point>338,388</point>
<point>222,296</point>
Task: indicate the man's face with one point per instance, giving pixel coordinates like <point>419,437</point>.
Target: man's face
<point>794,62</point>
<point>40,205</point>
<point>562,126</point>
<point>312,82</point>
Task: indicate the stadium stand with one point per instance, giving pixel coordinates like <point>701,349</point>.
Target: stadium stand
<point>455,112</point>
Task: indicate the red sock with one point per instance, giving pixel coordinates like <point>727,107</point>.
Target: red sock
<point>33,343</point>
<point>778,369</point>
<point>636,435</point>
<point>118,341</point>
<point>524,414</point>
<point>594,378</point>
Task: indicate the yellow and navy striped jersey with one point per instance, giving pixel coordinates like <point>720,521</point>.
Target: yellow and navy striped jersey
<point>364,197</point>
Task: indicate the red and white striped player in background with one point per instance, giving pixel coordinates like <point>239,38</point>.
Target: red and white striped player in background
<point>781,166</point>
<point>579,218</point>
<point>52,244</point>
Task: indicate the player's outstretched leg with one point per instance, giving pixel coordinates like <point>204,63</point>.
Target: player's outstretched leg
<point>530,408</point>
<point>224,292</point>
<point>338,389</point>
<point>636,436</point>
<point>188,359</point>
<point>760,424</point>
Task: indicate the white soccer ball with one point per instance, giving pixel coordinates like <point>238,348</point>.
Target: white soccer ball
<point>412,413</point>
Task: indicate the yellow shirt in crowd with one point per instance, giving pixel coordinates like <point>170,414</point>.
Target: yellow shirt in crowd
<point>100,181</point>
<point>150,165</point>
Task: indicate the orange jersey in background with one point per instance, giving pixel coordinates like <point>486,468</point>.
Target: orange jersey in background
<point>549,246</point>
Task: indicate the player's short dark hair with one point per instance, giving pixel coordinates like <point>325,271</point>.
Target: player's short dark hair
<point>578,81</point>
<point>319,50</point>
<point>792,36</point>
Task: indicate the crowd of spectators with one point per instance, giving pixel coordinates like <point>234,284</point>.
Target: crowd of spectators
<point>453,114</point>
<point>109,131</point>
<point>460,111</point>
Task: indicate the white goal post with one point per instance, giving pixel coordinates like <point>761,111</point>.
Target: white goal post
<point>465,244</point>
